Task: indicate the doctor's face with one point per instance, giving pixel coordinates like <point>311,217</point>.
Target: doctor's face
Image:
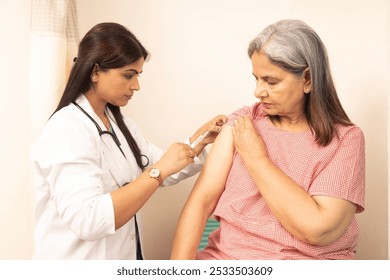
<point>117,86</point>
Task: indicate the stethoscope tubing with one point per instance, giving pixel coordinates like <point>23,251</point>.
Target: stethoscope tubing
<point>100,131</point>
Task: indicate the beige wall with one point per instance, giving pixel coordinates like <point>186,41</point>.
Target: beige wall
<point>198,69</point>
<point>15,188</point>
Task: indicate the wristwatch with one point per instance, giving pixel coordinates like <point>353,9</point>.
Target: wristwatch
<point>155,173</point>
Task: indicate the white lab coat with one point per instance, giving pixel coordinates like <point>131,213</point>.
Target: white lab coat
<point>76,170</point>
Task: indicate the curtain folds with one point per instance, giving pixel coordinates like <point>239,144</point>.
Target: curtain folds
<point>53,45</point>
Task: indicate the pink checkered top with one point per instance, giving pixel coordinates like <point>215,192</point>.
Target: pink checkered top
<point>249,230</point>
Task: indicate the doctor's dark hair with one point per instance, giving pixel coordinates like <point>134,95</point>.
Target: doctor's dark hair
<point>110,46</point>
<point>295,47</point>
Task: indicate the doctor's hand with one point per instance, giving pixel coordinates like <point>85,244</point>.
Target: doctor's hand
<point>177,157</point>
<point>207,133</point>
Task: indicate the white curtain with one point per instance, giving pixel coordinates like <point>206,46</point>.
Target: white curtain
<point>53,45</point>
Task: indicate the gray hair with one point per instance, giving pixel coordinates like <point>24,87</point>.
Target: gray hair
<point>294,46</point>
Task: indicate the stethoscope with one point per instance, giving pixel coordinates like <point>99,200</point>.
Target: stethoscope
<point>102,132</point>
<point>112,134</point>
<point>118,143</point>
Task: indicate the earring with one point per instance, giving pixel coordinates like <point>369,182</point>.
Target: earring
<point>307,90</point>
<point>94,78</point>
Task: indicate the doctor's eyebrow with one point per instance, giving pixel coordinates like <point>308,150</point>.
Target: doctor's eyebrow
<point>133,70</point>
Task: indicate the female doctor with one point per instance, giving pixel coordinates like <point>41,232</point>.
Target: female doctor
<point>94,168</point>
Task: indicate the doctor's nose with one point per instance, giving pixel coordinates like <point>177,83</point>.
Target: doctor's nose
<point>135,85</point>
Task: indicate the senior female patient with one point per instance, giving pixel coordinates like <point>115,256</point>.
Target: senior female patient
<point>94,168</point>
<point>286,177</point>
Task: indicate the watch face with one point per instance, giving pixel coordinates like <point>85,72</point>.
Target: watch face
<point>154,173</point>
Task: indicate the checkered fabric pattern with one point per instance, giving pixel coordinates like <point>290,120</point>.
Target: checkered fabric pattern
<point>249,230</point>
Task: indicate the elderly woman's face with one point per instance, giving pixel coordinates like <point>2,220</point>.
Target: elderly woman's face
<point>281,92</point>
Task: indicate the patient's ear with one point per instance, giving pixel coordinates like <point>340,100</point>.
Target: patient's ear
<point>307,79</point>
